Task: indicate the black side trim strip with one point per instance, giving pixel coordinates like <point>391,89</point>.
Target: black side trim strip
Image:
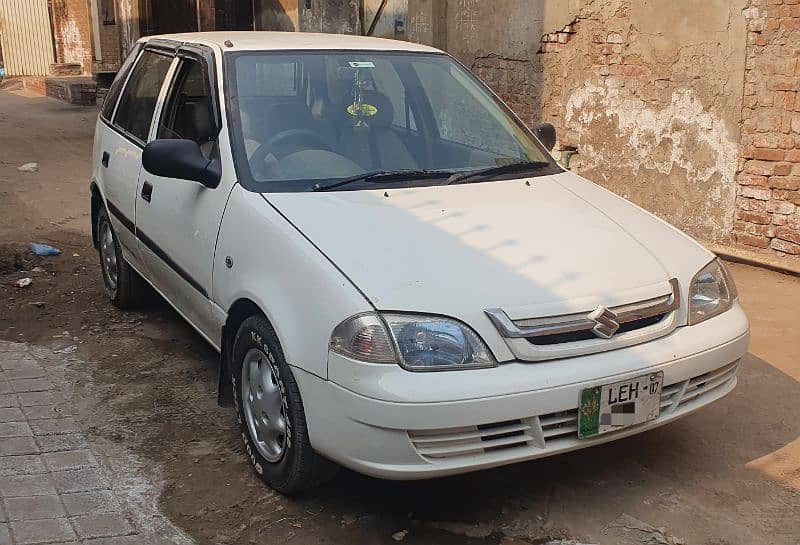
<point>147,241</point>
<point>123,219</point>
<point>155,248</point>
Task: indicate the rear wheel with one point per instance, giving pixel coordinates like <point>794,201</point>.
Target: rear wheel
<point>270,412</point>
<point>123,285</point>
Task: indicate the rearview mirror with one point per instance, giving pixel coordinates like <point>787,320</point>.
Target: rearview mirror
<point>182,159</point>
<point>546,133</point>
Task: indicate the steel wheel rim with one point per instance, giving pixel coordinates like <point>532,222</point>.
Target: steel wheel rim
<point>108,255</point>
<point>262,402</point>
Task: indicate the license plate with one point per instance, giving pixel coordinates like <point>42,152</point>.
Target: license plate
<point>612,407</point>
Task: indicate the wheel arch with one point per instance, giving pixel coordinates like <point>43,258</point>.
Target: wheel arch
<point>239,311</point>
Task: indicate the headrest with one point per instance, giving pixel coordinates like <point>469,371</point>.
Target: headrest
<point>201,125</point>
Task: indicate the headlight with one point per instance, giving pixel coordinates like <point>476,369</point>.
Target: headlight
<point>712,292</point>
<point>418,343</point>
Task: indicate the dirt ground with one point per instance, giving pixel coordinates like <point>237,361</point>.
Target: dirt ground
<point>727,475</point>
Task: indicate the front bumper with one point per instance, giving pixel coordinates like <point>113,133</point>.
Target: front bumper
<point>394,424</point>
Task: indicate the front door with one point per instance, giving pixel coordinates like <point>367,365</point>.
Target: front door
<point>177,220</point>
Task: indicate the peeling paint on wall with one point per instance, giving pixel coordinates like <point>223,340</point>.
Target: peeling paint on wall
<point>72,42</point>
<point>649,94</point>
<point>682,139</point>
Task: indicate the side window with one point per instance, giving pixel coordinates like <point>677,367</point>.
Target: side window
<point>189,113</point>
<point>138,101</point>
<point>113,93</point>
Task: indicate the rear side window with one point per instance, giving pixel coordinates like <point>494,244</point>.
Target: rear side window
<point>113,92</point>
<point>138,101</point>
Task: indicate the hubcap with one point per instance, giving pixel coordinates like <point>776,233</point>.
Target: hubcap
<point>108,255</point>
<point>263,405</point>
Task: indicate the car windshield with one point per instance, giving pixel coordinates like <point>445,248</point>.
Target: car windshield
<point>303,120</point>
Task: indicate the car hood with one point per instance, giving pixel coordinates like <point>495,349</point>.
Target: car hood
<point>533,247</point>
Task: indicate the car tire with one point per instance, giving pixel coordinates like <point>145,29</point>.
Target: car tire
<point>123,285</point>
<point>273,426</point>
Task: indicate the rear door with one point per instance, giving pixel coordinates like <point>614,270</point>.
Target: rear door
<point>177,221</point>
<point>121,142</point>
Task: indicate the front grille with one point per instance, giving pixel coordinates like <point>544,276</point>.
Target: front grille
<point>587,335</point>
<point>554,430</point>
<point>651,315</point>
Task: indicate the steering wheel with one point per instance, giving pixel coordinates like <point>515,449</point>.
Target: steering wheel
<point>304,137</point>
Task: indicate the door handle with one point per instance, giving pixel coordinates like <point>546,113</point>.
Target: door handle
<point>105,159</point>
<point>147,191</point>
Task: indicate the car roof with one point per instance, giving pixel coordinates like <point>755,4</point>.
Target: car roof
<point>272,41</point>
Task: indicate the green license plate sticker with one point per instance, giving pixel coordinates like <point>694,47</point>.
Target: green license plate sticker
<point>612,407</point>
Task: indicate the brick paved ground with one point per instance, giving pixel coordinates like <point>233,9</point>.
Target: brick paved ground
<point>53,488</point>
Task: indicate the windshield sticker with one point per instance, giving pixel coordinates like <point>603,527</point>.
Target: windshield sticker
<point>361,64</point>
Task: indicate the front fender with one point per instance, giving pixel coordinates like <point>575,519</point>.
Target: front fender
<point>262,257</point>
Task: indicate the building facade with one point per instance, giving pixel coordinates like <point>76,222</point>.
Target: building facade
<point>691,110</point>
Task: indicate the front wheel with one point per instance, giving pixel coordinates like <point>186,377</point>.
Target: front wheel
<point>270,412</point>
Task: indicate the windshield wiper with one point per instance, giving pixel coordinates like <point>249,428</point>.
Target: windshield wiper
<point>475,175</point>
<point>407,174</point>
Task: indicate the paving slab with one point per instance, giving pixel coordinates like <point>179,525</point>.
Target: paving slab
<point>34,507</point>
<point>54,488</point>
<point>80,480</point>
<point>86,503</point>
<point>30,532</point>
<point>25,371</point>
<point>54,426</point>
<point>30,399</point>
<point>12,414</point>
<point>15,486</point>
<point>15,429</point>
<point>39,412</point>
<point>27,464</point>
<point>30,385</point>
<point>101,525</point>
<point>56,443</point>
<point>13,446</point>
<point>69,460</point>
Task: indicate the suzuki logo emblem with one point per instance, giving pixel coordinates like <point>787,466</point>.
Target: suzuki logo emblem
<point>605,322</point>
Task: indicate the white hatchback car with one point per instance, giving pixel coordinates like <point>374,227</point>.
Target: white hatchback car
<point>397,274</point>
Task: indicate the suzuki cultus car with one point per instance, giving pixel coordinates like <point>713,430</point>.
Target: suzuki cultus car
<point>398,276</point>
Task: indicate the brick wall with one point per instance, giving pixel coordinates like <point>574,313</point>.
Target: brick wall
<point>768,197</point>
<point>528,85</point>
<point>109,48</point>
<point>73,33</point>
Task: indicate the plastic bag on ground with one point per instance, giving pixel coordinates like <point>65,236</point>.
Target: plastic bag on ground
<point>43,249</point>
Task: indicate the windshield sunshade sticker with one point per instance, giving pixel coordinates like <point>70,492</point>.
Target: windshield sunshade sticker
<point>361,64</point>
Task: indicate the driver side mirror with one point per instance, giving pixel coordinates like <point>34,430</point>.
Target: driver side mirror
<point>546,133</point>
<point>182,159</point>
